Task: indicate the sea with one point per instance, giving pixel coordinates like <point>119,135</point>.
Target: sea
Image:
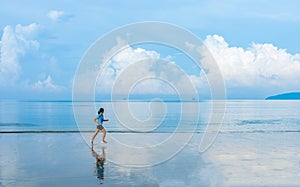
<point>257,144</point>
<point>155,116</point>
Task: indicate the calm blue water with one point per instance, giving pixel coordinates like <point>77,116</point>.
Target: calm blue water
<point>240,116</point>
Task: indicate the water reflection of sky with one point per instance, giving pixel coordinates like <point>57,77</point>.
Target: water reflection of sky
<point>235,159</point>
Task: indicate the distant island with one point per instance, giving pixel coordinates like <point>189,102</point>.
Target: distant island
<point>285,96</point>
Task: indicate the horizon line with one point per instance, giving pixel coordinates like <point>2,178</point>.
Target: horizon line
<point>141,100</point>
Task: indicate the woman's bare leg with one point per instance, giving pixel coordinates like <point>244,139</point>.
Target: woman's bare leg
<point>94,135</point>
<point>103,135</point>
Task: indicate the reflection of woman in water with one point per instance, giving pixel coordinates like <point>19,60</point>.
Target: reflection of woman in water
<point>99,169</point>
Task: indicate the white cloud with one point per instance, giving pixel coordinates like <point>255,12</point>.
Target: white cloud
<point>55,15</point>
<point>15,42</point>
<point>140,71</point>
<point>260,66</point>
<point>46,85</point>
<point>130,55</point>
<point>119,62</point>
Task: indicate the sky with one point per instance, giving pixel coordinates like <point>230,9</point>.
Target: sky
<point>254,42</point>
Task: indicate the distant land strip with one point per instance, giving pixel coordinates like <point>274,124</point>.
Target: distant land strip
<point>285,96</point>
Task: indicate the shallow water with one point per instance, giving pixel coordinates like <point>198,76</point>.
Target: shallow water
<point>235,159</point>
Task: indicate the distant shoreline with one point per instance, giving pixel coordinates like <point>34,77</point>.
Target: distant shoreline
<point>285,96</point>
<point>166,101</point>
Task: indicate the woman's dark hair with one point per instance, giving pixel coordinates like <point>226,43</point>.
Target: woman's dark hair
<point>101,110</point>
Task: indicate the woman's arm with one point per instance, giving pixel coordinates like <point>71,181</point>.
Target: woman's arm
<point>95,120</point>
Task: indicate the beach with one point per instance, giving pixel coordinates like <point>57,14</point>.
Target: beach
<point>235,159</point>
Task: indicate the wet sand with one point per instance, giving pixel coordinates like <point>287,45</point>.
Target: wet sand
<point>65,159</point>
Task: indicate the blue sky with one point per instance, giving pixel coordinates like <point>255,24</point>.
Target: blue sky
<point>256,43</point>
